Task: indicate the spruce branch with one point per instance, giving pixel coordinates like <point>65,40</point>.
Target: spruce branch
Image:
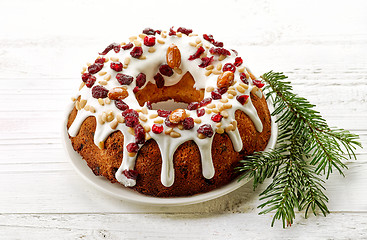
<point>307,148</point>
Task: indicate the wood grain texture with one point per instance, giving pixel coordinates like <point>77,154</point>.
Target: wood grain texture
<point>320,45</point>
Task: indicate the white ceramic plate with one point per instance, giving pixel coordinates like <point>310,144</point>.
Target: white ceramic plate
<point>121,192</point>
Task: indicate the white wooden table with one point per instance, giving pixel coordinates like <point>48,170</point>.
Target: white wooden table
<point>322,47</point>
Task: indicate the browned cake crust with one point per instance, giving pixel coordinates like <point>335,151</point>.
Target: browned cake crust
<point>187,163</point>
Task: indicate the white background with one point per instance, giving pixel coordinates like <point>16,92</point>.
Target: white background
<point>320,45</point>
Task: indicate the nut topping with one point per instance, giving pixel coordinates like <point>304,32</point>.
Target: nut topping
<point>177,115</point>
<point>225,79</point>
<point>118,93</point>
<point>173,56</point>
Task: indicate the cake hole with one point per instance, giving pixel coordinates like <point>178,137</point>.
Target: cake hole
<point>169,105</point>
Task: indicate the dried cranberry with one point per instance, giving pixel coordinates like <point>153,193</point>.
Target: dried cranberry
<point>117,66</point>
<point>229,67</point>
<point>211,40</point>
<point>141,79</point>
<point>149,41</point>
<point>217,117</point>
<point>258,83</point>
<point>159,80</point>
<point>94,68</point>
<point>184,30</point>
<point>206,61</point>
<point>130,174</point>
<point>171,32</point>
<point>219,51</point>
<point>85,76</point>
<point>169,123</point>
<point>127,46</point>
<point>188,123</point>
<point>136,89</point>
<point>200,112</point>
<point>132,147</point>
<point>238,61</point>
<point>157,128</point>
<point>99,92</point>
<point>205,102</point>
<point>149,105</point>
<point>121,105</point>
<point>130,113</point>
<point>139,134</point>
<point>100,60</point>
<point>136,52</point>
<point>206,130</point>
<point>243,78</point>
<point>218,44</point>
<point>124,79</point>
<point>197,54</point>
<point>193,106</point>
<point>216,95</point>
<point>166,70</point>
<point>131,121</point>
<point>222,90</point>
<point>163,113</point>
<point>149,31</point>
<point>242,98</point>
<point>158,31</point>
<point>114,46</point>
<point>90,82</point>
<point>235,52</point>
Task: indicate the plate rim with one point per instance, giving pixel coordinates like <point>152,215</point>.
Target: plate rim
<point>118,191</point>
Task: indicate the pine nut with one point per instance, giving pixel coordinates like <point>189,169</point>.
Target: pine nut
<point>153,115</point>
<point>114,59</point>
<point>159,120</point>
<point>175,134</point>
<point>160,41</point>
<point>102,73</point>
<point>197,120</point>
<point>100,101</point>
<point>201,136</point>
<point>151,49</point>
<point>210,89</point>
<point>114,124</point>
<point>210,67</point>
<point>81,85</point>
<point>107,77</point>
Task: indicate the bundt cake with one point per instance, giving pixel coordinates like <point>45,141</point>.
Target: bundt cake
<point>116,128</point>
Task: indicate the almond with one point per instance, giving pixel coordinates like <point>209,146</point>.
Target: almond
<point>118,93</point>
<point>173,56</point>
<point>177,115</point>
<point>225,79</point>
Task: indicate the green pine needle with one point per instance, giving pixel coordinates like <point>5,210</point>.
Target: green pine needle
<point>307,148</point>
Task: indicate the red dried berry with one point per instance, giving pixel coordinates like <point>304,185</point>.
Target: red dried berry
<point>158,31</point>
<point>114,46</point>
<point>149,41</point>
<point>193,106</point>
<point>159,80</point>
<point>100,60</point>
<point>229,67</point>
<point>216,95</point>
<point>131,121</point>
<point>149,31</point>
<point>136,89</point>
<point>197,54</point>
<point>124,79</point>
<point>243,78</point>
<point>206,130</point>
<point>139,134</point>
<point>210,38</point>
<point>149,105</point>
<point>188,123</point>
<point>218,44</point>
<point>117,66</point>
<point>166,70</point>
<point>85,76</point>
<point>136,52</point>
<point>130,174</point>
<point>217,117</point>
<point>242,98</point>
<point>206,61</point>
<point>258,83</point>
<point>200,112</point>
<point>121,105</point>
<point>157,128</point>
<point>219,51</point>
<point>163,113</point>
<point>94,68</point>
<point>132,147</point>
<point>235,52</point>
<point>130,113</point>
<point>222,90</point>
<point>169,123</point>
<point>90,82</point>
<point>205,102</point>
<point>99,92</point>
<point>127,46</point>
<point>171,32</point>
<point>238,61</point>
<point>141,79</point>
<point>184,30</point>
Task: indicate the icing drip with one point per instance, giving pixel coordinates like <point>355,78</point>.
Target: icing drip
<point>166,142</point>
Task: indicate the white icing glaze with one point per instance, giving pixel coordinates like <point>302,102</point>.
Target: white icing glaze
<point>166,143</point>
